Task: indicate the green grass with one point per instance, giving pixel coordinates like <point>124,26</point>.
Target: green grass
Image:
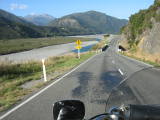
<point>17,45</point>
<point>12,76</point>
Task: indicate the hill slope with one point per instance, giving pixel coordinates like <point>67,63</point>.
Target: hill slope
<point>12,27</point>
<point>12,17</point>
<point>41,20</point>
<point>90,22</point>
<point>142,34</point>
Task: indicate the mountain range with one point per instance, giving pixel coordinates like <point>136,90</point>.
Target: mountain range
<point>91,22</point>
<point>39,19</point>
<point>12,26</point>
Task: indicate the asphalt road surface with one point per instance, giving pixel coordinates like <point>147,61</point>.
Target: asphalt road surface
<point>91,83</point>
<point>98,36</point>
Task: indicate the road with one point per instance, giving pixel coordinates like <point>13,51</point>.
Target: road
<point>98,36</point>
<point>45,52</point>
<point>91,82</point>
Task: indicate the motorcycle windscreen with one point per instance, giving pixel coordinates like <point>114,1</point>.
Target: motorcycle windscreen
<point>143,88</point>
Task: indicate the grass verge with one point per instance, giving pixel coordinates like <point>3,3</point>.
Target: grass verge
<point>17,45</point>
<point>101,44</point>
<point>155,64</point>
<point>13,76</point>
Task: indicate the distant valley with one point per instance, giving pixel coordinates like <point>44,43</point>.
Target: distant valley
<point>39,19</point>
<point>35,26</point>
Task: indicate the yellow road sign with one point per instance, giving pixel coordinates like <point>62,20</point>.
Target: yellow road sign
<point>78,47</point>
<point>78,42</point>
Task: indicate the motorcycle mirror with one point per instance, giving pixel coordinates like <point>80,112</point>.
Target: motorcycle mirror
<point>68,110</point>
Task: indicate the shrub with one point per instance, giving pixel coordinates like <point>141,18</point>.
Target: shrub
<point>141,21</point>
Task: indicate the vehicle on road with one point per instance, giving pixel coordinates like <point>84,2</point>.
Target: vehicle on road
<point>135,98</point>
<point>105,47</point>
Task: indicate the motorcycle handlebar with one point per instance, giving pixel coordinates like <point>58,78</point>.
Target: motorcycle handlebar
<point>144,112</point>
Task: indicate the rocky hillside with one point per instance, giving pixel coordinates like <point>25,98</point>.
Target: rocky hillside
<point>142,34</point>
<point>90,22</point>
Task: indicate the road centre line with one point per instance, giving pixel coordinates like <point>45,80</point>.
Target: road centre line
<point>120,71</point>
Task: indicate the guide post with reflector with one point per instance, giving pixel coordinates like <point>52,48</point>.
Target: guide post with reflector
<point>44,70</point>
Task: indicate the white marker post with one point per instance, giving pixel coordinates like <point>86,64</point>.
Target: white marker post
<point>44,70</point>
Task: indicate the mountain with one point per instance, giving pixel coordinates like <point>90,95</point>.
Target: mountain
<point>41,20</point>
<point>12,17</point>
<point>90,22</point>
<point>142,34</point>
<point>12,26</point>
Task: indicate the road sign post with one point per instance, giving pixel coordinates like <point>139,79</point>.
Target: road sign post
<point>44,70</point>
<point>78,47</point>
<point>79,54</point>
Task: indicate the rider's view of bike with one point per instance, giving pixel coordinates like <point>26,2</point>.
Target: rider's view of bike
<point>135,98</point>
<point>79,59</point>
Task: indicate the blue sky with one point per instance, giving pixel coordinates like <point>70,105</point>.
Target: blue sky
<point>58,8</point>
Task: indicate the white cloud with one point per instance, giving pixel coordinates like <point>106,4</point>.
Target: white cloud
<point>14,6</point>
<point>32,13</point>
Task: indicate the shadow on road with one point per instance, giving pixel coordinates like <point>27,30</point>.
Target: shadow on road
<point>109,80</point>
<point>84,78</point>
<point>96,88</point>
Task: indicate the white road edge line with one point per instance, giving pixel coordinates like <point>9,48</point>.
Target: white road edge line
<point>121,71</point>
<point>41,91</point>
<point>136,60</point>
